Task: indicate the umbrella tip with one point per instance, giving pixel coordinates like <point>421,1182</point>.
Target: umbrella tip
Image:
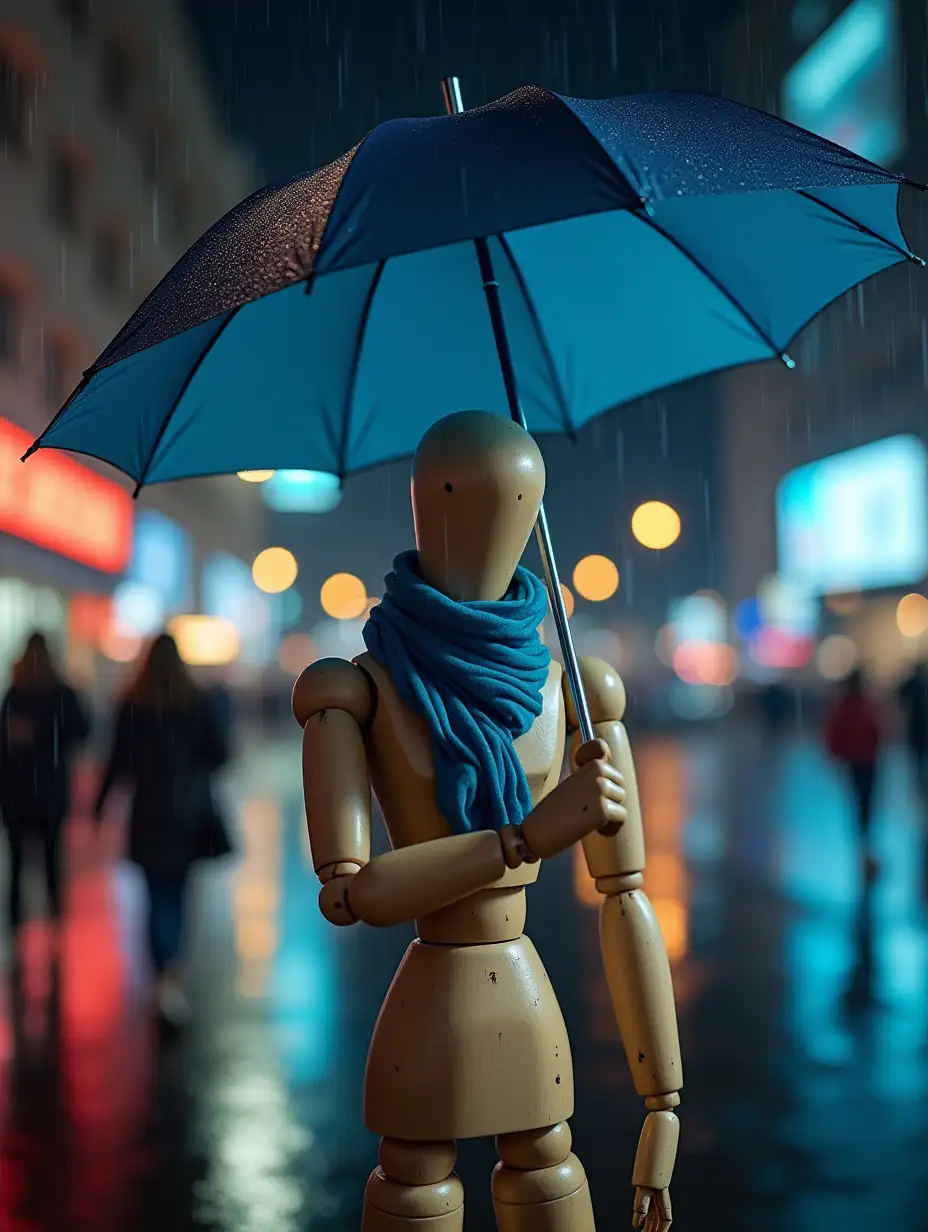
<point>788,361</point>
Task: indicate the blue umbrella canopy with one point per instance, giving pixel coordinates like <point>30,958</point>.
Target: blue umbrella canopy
<point>326,322</point>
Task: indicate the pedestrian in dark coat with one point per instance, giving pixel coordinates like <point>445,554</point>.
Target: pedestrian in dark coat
<point>42,721</point>
<point>168,742</point>
<point>854,737</point>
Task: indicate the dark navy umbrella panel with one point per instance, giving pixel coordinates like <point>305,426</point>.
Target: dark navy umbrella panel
<point>637,242</point>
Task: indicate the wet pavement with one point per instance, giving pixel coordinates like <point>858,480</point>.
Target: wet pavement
<point>803,1009</point>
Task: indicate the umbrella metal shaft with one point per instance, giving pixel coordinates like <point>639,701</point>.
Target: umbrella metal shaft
<point>453,104</point>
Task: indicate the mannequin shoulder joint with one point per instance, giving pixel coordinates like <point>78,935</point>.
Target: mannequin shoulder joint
<point>605,692</point>
<point>333,684</point>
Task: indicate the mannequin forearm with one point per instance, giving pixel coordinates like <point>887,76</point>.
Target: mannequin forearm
<point>634,954</point>
<point>638,975</point>
<point>414,881</point>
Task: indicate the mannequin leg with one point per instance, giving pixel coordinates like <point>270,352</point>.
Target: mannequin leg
<point>539,1185</point>
<point>414,1189</point>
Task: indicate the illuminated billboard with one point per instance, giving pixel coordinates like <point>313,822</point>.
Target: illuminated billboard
<point>58,504</point>
<point>847,86</point>
<point>857,520</point>
<point>162,560</point>
<point>301,492</point>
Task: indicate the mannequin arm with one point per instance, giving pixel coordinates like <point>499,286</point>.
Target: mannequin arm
<point>634,954</point>
<point>333,701</point>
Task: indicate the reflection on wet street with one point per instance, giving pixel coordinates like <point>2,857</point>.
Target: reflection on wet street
<point>803,1008</point>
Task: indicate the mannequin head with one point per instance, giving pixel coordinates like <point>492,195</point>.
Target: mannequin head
<point>477,483</point>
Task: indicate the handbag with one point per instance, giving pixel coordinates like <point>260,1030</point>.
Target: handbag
<point>212,838</point>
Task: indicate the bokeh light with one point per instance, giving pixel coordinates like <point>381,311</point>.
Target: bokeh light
<point>119,645</point>
<point>596,578</point>
<point>844,605</point>
<point>711,663</point>
<point>656,525</point>
<point>343,596</point>
<point>836,657</point>
<point>912,615</point>
<point>256,476</point>
<point>205,641</point>
<point>290,608</point>
<point>664,645</point>
<point>274,570</point>
<point>778,648</point>
<point>295,652</point>
<point>569,601</point>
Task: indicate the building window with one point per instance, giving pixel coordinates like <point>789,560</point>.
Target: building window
<point>15,103</point>
<point>116,76</point>
<point>65,190</point>
<point>77,14</point>
<point>111,260</point>
<point>9,324</point>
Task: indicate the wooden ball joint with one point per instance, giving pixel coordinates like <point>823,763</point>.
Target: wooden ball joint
<point>470,1040</point>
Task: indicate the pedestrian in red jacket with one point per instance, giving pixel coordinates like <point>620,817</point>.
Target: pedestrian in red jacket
<point>854,737</point>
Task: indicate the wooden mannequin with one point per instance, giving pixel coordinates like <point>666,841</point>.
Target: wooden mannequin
<point>470,1040</point>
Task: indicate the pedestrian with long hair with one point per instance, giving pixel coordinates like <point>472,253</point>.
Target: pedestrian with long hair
<point>168,742</point>
<point>854,737</point>
<point>42,721</point>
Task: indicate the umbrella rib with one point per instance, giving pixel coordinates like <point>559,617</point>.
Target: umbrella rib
<point>542,338</point>
<point>719,286</point>
<point>862,227</point>
<point>355,366</point>
<point>78,389</point>
<point>188,379</point>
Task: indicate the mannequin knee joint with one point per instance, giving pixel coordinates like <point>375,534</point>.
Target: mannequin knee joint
<point>415,1180</point>
<point>537,1166</point>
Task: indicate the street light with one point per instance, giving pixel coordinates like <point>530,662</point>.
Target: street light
<point>344,596</point>
<point>596,578</point>
<point>912,615</point>
<point>274,570</point>
<point>655,525</point>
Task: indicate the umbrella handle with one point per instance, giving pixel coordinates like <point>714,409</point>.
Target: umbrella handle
<point>451,91</point>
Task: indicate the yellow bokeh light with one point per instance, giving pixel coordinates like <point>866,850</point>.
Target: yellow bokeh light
<point>274,570</point>
<point>912,615</point>
<point>343,596</point>
<point>655,525</point>
<point>569,601</point>
<point>596,578</point>
<point>205,641</point>
<point>256,476</point>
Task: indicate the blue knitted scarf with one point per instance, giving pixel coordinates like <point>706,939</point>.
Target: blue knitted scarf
<point>475,672</point>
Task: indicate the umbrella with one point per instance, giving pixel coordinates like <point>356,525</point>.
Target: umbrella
<point>619,245</point>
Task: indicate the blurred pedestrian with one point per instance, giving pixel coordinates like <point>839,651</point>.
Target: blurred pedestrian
<point>854,737</point>
<point>912,696</point>
<point>42,720</point>
<point>168,742</point>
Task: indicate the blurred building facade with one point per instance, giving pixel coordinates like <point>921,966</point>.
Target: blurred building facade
<point>862,367</point>
<point>112,162</point>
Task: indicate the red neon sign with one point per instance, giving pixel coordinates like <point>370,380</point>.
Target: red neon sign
<point>58,504</point>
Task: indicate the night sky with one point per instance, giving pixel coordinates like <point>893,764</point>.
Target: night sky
<point>304,80</point>
<point>301,81</point>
